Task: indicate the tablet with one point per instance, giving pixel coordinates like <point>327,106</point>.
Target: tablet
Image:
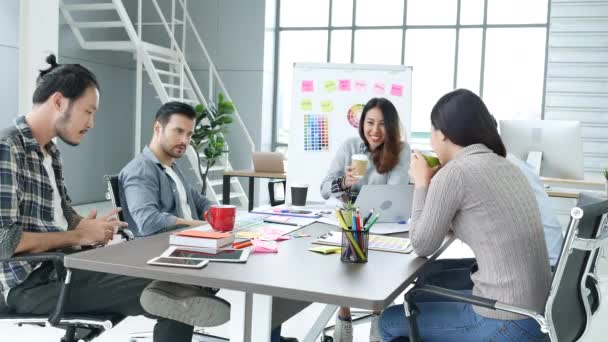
<point>219,255</point>
<point>178,262</point>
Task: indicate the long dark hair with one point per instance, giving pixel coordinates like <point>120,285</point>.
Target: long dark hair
<point>463,118</point>
<point>386,156</point>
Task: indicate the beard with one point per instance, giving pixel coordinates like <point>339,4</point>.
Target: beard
<point>169,150</point>
<point>62,124</point>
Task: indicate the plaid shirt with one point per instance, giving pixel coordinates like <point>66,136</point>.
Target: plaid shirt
<point>26,197</point>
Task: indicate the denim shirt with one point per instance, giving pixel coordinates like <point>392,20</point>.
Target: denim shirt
<point>149,197</point>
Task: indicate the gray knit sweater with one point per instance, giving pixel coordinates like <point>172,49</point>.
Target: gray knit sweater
<point>398,175</point>
<point>489,205</point>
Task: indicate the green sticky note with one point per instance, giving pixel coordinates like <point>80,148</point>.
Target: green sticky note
<point>326,249</point>
<point>330,86</point>
<point>327,106</point>
<point>306,105</point>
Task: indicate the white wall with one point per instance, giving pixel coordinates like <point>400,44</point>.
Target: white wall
<point>577,74</point>
<point>9,60</point>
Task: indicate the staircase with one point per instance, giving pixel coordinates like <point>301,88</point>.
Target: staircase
<point>166,67</point>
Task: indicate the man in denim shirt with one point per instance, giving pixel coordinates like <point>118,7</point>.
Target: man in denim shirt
<point>155,198</point>
<point>153,190</point>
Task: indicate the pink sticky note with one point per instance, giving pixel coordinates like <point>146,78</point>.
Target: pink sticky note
<point>273,230</point>
<point>360,85</point>
<point>274,237</point>
<point>308,86</point>
<point>260,246</point>
<point>344,85</point>
<point>379,88</point>
<point>396,90</point>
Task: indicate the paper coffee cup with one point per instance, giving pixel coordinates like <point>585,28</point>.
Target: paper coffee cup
<point>430,158</point>
<point>359,163</point>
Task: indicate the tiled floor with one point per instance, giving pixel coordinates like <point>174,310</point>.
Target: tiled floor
<point>296,327</point>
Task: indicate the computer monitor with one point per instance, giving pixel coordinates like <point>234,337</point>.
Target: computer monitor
<point>558,141</point>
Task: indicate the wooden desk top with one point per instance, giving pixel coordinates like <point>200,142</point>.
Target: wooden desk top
<point>252,173</point>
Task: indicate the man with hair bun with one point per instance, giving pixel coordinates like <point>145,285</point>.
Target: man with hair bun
<point>36,215</point>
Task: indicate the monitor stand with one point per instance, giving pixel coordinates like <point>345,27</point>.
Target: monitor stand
<point>534,160</point>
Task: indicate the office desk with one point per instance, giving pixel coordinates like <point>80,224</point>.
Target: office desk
<point>293,274</point>
<point>251,175</point>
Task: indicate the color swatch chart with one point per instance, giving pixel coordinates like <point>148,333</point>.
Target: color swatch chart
<point>316,133</point>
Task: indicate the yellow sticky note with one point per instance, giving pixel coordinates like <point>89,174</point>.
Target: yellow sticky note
<point>326,249</point>
<point>327,106</point>
<point>247,235</point>
<point>330,86</point>
<point>306,105</point>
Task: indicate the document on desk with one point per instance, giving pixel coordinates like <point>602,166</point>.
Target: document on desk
<point>376,242</point>
<point>389,228</point>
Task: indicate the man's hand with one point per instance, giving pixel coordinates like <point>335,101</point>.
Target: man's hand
<point>92,230</point>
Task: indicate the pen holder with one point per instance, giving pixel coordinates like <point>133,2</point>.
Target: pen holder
<point>354,246</point>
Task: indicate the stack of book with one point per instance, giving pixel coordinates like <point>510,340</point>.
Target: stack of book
<point>201,237</point>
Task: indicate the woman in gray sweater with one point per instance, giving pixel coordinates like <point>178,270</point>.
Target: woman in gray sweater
<point>488,203</point>
<point>380,140</point>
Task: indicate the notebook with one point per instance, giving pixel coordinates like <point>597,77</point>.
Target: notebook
<point>376,242</point>
<point>201,237</point>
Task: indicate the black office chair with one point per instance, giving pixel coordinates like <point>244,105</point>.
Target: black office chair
<point>113,195</point>
<point>77,327</point>
<point>574,295</point>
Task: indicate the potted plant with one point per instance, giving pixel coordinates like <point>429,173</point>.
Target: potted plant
<point>211,123</point>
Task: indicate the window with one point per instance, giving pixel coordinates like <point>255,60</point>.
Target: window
<point>497,52</point>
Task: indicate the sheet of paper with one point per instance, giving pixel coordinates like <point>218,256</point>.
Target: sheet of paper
<point>389,228</point>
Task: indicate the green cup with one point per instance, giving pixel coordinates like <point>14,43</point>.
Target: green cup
<point>431,160</point>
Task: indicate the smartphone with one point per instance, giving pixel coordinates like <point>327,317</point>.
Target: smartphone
<point>178,262</point>
<point>218,255</point>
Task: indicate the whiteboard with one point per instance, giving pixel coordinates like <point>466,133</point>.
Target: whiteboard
<point>327,100</point>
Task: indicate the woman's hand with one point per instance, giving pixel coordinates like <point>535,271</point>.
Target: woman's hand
<point>350,178</point>
<point>420,170</point>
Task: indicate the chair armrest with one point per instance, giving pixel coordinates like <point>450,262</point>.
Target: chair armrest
<point>38,257</point>
<point>64,276</point>
<point>458,296</point>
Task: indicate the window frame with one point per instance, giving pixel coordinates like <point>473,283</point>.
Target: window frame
<point>484,26</point>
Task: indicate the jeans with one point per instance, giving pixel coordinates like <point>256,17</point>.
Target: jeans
<point>91,293</point>
<point>456,322</point>
<point>442,320</point>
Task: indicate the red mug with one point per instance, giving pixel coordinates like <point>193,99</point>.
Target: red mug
<point>221,217</point>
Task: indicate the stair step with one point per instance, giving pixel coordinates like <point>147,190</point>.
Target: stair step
<point>175,86</point>
<point>232,195</point>
<point>98,24</point>
<point>167,73</point>
<point>90,7</point>
<point>217,168</point>
<point>218,182</point>
<point>164,60</point>
<point>154,49</point>
<point>182,100</point>
<point>109,45</point>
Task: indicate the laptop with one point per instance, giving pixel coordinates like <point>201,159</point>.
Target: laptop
<point>393,201</point>
<point>268,162</point>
